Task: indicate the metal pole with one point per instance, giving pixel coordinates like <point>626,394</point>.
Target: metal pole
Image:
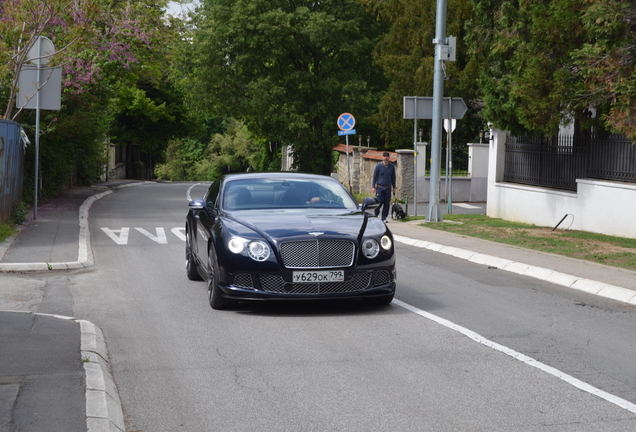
<point>446,170</point>
<point>449,209</point>
<point>415,162</point>
<point>37,130</point>
<point>348,168</point>
<point>434,213</point>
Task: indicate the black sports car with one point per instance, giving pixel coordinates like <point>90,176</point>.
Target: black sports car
<point>258,236</point>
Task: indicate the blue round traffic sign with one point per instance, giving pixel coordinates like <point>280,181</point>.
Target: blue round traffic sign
<point>346,122</point>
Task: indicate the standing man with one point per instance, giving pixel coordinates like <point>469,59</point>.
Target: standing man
<point>383,183</point>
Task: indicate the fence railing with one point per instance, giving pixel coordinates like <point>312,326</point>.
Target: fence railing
<point>612,157</point>
<point>11,167</point>
<point>556,162</point>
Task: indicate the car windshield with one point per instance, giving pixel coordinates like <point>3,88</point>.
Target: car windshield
<point>266,193</point>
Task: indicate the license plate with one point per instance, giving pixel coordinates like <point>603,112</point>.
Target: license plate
<point>318,276</point>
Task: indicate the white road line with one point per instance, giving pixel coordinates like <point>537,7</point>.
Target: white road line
<point>188,195</point>
<point>521,357</point>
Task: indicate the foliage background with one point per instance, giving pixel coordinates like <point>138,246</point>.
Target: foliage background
<point>230,83</point>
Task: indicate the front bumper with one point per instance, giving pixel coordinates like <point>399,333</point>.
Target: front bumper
<point>278,286</point>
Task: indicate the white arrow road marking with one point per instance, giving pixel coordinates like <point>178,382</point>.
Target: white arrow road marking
<point>120,239</point>
<point>120,236</point>
<point>159,238</point>
<point>179,232</point>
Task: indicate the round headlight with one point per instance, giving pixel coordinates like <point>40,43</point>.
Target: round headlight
<point>236,244</point>
<point>370,248</point>
<point>385,242</point>
<point>258,250</point>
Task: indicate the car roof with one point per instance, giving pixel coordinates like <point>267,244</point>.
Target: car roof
<point>276,175</point>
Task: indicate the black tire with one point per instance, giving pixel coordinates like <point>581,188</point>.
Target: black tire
<point>216,299</point>
<point>380,300</point>
<point>191,264</point>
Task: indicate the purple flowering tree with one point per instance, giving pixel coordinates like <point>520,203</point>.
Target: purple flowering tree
<point>91,37</point>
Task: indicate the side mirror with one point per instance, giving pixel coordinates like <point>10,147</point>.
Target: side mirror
<point>197,204</point>
<point>369,203</point>
<point>200,204</point>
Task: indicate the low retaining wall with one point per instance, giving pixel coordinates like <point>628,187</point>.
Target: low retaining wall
<point>599,206</point>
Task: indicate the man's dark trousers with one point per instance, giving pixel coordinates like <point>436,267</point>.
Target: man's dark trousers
<point>384,196</point>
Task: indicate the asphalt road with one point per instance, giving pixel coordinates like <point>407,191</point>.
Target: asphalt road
<point>344,366</point>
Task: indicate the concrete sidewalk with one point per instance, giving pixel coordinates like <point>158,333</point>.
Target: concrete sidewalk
<point>55,375</point>
<point>71,354</point>
<point>54,370</point>
<point>605,281</point>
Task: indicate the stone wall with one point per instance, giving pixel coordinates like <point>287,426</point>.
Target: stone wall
<point>362,162</point>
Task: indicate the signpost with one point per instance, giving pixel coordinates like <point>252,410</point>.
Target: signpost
<point>39,88</point>
<point>449,127</point>
<point>346,122</point>
<point>417,107</point>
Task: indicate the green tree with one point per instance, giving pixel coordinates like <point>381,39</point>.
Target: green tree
<point>406,55</point>
<point>236,148</point>
<point>525,47</point>
<point>607,61</point>
<point>102,47</point>
<point>287,69</point>
<point>147,104</point>
<point>546,62</point>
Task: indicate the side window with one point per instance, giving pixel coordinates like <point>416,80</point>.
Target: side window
<point>212,195</point>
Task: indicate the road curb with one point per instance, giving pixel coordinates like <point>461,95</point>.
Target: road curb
<point>104,411</point>
<point>84,255</point>
<point>103,405</point>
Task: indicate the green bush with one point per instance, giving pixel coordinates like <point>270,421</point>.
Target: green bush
<point>6,230</point>
<point>19,213</point>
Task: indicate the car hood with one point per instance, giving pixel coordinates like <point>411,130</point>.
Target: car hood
<point>292,224</point>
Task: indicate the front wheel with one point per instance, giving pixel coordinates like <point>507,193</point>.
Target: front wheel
<point>216,299</point>
<point>191,264</point>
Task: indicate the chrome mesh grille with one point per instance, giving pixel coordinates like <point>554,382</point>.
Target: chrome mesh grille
<point>276,284</point>
<point>382,277</point>
<point>317,253</point>
<point>243,280</point>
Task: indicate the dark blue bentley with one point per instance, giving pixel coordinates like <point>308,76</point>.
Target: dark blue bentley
<point>258,236</point>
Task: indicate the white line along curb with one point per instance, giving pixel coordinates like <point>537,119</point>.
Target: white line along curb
<point>602,289</point>
<point>521,357</point>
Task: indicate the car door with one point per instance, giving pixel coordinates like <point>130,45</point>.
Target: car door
<point>204,221</point>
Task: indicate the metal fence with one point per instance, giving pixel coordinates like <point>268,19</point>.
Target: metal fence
<point>612,157</point>
<point>556,162</point>
<point>11,167</point>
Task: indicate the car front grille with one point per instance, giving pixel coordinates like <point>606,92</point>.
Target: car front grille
<point>382,277</point>
<point>317,253</point>
<point>243,280</point>
<point>276,284</point>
